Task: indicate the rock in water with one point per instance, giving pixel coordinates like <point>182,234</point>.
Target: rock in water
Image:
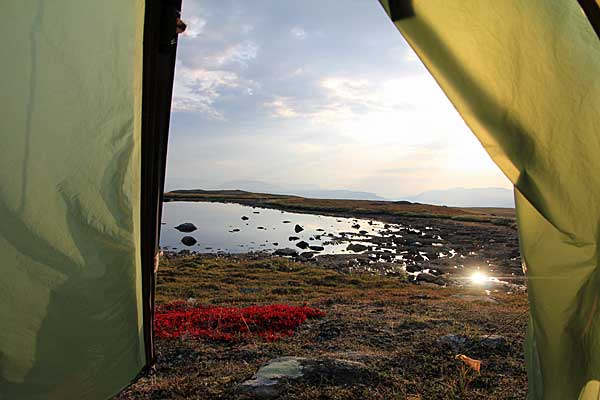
<point>298,228</point>
<point>356,226</point>
<point>186,227</point>
<point>293,238</point>
<point>244,218</point>
<point>287,252</point>
<point>188,241</point>
<point>356,247</point>
<point>303,245</point>
<point>317,248</point>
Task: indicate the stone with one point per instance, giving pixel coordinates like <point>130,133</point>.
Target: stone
<point>265,384</point>
<point>356,247</point>
<point>293,238</point>
<point>188,241</point>
<point>272,378</point>
<point>316,248</point>
<point>305,255</point>
<point>302,244</point>
<point>430,278</point>
<point>455,342</point>
<point>287,252</point>
<point>244,218</point>
<point>250,290</point>
<point>413,268</point>
<point>186,227</point>
<point>471,298</point>
<point>298,228</point>
<point>493,342</point>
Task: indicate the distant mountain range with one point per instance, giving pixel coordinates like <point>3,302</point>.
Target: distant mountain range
<point>456,197</point>
<point>311,191</point>
<point>462,197</point>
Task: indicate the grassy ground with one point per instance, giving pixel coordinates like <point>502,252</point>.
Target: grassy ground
<point>390,325</point>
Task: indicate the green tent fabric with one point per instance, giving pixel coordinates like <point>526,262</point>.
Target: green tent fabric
<point>70,285</point>
<point>524,75</point>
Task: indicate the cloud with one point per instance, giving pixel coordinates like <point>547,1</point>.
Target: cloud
<point>298,33</point>
<point>281,107</point>
<point>195,26</point>
<point>240,53</point>
<point>196,90</point>
<point>286,92</point>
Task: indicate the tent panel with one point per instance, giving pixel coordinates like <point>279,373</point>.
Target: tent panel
<point>523,75</point>
<point>70,288</point>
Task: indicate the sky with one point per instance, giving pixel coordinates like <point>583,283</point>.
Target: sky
<point>317,93</point>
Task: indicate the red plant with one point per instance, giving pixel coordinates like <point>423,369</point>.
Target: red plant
<point>271,323</point>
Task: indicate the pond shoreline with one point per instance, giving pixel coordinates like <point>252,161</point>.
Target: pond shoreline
<point>443,249</point>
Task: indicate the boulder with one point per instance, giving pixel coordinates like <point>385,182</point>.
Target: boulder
<point>356,247</point>
<point>186,227</point>
<point>287,252</point>
<point>413,268</point>
<point>298,228</point>
<point>430,278</point>
<point>302,244</point>
<point>272,378</point>
<point>244,218</point>
<point>316,248</point>
<point>455,342</point>
<point>293,238</point>
<point>188,241</point>
<point>493,342</point>
<point>305,255</point>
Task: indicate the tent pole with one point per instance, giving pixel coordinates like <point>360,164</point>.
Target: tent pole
<point>160,46</point>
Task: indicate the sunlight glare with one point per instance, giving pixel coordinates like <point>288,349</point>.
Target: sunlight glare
<point>479,278</point>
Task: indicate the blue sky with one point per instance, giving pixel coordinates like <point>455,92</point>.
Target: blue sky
<point>313,92</point>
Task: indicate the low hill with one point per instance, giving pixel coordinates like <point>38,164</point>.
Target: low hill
<point>352,208</point>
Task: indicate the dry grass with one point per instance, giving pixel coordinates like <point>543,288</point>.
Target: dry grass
<point>391,326</point>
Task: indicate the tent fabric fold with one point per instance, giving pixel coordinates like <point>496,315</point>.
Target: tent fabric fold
<point>524,77</point>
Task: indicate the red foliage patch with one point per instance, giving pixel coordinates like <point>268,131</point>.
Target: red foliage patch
<point>271,323</point>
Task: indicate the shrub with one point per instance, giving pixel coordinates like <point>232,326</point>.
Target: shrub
<point>231,324</point>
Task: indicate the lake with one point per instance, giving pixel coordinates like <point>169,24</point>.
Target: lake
<point>222,229</point>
